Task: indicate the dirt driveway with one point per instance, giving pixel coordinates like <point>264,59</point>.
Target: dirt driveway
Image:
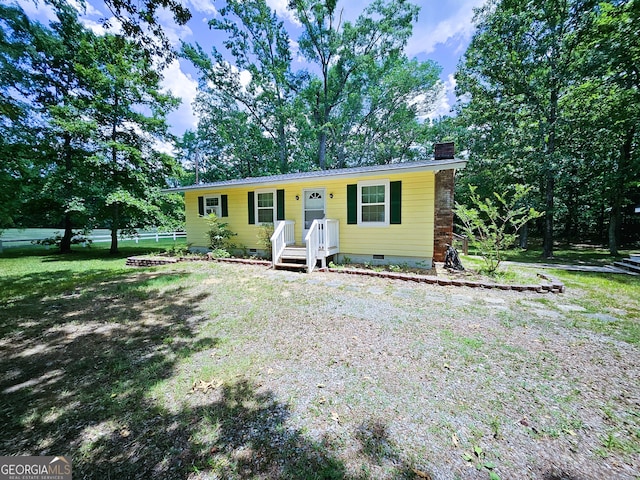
<point>230,371</point>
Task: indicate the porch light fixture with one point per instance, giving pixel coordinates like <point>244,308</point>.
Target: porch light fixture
<point>331,195</point>
<point>297,197</point>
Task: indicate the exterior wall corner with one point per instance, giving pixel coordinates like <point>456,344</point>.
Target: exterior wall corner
<point>443,213</point>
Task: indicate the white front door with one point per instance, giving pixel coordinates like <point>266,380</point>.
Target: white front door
<point>313,208</point>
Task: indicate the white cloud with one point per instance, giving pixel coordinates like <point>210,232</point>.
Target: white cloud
<point>204,6</point>
<point>245,78</point>
<point>164,147</point>
<point>99,28</point>
<point>442,106</point>
<point>181,85</point>
<point>282,10</point>
<point>84,9</point>
<point>40,11</point>
<point>172,30</point>
<point>459,25</point>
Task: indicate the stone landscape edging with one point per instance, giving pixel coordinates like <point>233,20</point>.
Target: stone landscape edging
<point>554,286</point>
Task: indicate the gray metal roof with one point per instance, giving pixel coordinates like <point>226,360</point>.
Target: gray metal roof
<point>424,165</point>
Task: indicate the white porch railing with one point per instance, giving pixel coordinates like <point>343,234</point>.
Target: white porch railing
<point>312,241</point>
<point>322,240</point>
<point>283,235</point>
<point>329,236</point>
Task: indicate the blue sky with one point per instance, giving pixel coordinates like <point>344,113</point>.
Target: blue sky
<point>442,34</point>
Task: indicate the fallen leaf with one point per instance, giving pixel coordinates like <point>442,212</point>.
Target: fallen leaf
<point>320,385</point>
<point>204,387</point>
<point>421,474</point>
<point>454,440</point>
<point>335,417</point>
<point>322,400</point>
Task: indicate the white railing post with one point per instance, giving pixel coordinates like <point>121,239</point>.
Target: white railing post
<point>313,244</point>
<point>289,232</point>
<point>279,239</point>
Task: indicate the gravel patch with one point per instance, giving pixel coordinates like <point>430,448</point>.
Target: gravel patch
<point>423,374</point>
<point>211,370</point>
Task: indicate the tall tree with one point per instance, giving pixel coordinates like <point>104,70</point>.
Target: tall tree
<point>260,82</point>
<point>15,42</point>
<point>342,50</point>
<point>129,109</point>
<point>609,58</point>
<point>358,103</point>
<point>516,72</point>
<point>56,97</point>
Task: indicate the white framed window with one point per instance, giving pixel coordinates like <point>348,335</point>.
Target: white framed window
<point>373,203</point>
<point>213,204</point>
<point>265,206</point>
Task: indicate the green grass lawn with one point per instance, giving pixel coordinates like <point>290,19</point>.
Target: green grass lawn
<point>205,370</point>
<point>583,255</point>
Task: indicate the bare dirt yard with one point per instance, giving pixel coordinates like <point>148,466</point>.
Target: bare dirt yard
<point>218,371</point>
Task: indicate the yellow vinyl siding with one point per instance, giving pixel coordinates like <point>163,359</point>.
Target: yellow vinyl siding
<point>412,238</point>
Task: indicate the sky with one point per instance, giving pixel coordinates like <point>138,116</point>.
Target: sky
<point>442,34</point>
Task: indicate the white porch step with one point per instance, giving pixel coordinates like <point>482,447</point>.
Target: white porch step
<point>291,266</point>
<point>294,253</point>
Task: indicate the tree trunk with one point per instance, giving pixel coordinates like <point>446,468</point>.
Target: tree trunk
<point>550,181</point>
<point>322,150</point>
<point>614,221</point>
<point>114,230</point>
<point>547,251</point>
<point>619,192</point>
<point>65,243</point>
<point>524,236</point>
<point>283,150</point>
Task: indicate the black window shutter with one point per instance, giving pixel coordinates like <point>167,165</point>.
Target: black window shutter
<point>352,204</point>
<point>252,208</point>
<point>201,206</point>
<point>396,203</point>
<point>280,204</point>
<point>225,205</point>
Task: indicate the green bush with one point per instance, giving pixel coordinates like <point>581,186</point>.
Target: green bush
<point>491,226</point>
<point>265,233</point>
<point>219,234</point>
<point>177,250</point>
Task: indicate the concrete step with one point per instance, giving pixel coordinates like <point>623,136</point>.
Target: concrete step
<point>633,260</point>
<point>291,266</point>
<point>626,265</point>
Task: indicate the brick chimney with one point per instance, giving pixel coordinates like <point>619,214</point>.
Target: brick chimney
<point>443,151</point>
<point>443,198</point>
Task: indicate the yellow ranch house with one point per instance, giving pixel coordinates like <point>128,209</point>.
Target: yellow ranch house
<point>385,214</point>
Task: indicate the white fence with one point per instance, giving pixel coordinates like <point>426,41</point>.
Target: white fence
<point>19,242</point>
